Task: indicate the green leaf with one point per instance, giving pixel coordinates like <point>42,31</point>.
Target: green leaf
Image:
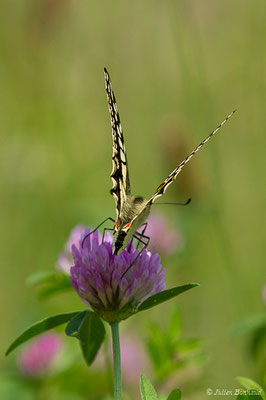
<point>250,385</point>
<point>74,325</point>
<point>50,282</point>
<point>258,341</point>
<point>40,277</point>
<point>39,327</point>
<point>249,395</point>
<point>55,287</point>
<point>249,324</point>
<point>88,328</point>
<point>190,345</point>
<point>175,325</point>
<point>161,297</point>
<point>174,395</point>
<point>158,346</point>
<point>147,390</point>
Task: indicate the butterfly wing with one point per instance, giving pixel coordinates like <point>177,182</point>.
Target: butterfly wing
<point>119,174</point>
<point>162,188</point>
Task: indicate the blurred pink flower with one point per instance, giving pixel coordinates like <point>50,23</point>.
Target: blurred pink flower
<point>264,294</point>
<point>38,357</point>
<point>65,259</point>
<point>163,238</point>
<point>134,359</point>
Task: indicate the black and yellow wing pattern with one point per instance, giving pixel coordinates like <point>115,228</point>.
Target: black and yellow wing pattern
<point>132,211</point>
<point>119,174</point>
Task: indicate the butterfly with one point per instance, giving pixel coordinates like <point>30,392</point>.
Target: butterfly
<point>132,211</point>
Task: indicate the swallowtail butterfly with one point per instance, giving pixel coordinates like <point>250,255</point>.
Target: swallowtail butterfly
<point>132,211</point>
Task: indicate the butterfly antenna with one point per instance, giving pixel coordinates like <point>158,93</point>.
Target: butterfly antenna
<point>174,204</point>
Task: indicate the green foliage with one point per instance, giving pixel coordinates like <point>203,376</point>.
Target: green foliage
<point>39,327</point>
<point>253,326</point>
<point>73,327</point>
<point>169,351</point>
<point>149,393</point>
<point>174,395</point>
<point>147,390</point>
<point>51,283</point>
<point>249,395</point>
<point>250,324</point>
<point>252,389</point>
<point>40,277</point>
<point>88,328</point>
<point>165,295</point>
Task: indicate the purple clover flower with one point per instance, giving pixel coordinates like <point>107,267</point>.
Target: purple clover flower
<point>104,282</point>
<point>38,357</point>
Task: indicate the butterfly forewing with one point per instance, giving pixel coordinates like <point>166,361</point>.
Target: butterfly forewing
<point>119,174</point>
<point>133,211</point>
<point>162,188</point>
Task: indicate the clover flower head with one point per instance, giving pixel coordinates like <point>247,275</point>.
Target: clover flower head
<point>114,285</point>
<point>38,357</point>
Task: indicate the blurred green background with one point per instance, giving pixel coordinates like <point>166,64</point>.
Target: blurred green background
<point>177,68</point>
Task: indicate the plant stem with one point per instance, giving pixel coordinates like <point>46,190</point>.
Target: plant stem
<point>108,365</point>
<point>117,362</point>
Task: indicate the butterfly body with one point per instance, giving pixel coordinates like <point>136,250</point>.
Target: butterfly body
<point>133,211</point>
<point>133,214</point>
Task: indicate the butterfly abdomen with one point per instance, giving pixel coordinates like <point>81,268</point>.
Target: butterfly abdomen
<point>119,242</point>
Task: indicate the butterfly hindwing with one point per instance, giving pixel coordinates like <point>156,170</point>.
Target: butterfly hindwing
<point>119,174</point>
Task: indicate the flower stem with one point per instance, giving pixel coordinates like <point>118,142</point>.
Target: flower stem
<point>117,362</point>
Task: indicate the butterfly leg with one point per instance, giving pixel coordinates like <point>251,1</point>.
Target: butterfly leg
<point>106,230</point>
<point>106,219</point>
<point>142,234</point>
<point>145,245</point>
<point>130,245</point>
<point>140,238</point>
